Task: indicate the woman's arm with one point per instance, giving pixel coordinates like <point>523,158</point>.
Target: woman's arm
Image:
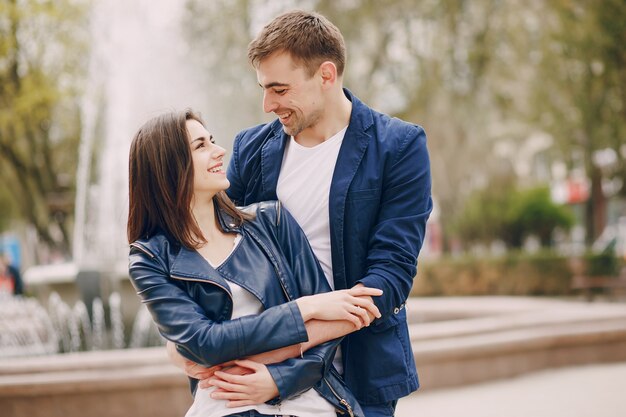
<point>260,378</point>
<point>293,376</point>
<point>208,341</point>
<point>320,331</point>
<point>199,337</point>
<point>349,308</point>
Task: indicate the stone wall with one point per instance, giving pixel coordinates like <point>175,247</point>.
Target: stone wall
<point>456,341</point>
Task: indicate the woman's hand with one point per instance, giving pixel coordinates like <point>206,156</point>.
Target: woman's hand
<point>247,383</point>
<point>354,305</point>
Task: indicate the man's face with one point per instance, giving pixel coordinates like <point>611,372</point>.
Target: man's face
<point>290,93</point>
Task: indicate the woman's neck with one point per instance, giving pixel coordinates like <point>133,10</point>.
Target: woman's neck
<point>204,213</point>
<point>218,244</point>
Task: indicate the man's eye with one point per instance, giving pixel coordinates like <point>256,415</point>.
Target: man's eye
<point>280,92</point>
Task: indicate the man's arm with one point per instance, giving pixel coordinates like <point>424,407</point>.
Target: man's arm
<point>200,338</point>
<point>398,233</point>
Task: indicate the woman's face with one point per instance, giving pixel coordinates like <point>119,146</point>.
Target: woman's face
<point>207,157</point>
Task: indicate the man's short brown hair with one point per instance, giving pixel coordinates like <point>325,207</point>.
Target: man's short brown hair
<point>308,37</point>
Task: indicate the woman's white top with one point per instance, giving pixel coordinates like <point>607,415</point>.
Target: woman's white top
<point>307,404</point>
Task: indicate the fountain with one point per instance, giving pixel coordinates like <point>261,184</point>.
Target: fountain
<point>139,68</point>
<point>70,359</point>
<point>29,329</point>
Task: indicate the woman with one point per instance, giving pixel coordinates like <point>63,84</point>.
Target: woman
<point>224,284</point>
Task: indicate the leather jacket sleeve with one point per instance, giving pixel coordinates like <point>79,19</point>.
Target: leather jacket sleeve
<point>294,376</point>
<point>204,339</point>
<point>397,236</point>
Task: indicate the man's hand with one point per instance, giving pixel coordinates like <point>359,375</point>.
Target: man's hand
<point>190,368</point>
<point>246,383</point>
<point>354,305</point>
<point>196,371</point>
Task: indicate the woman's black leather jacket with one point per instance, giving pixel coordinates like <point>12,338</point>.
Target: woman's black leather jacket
<point>191,301</point>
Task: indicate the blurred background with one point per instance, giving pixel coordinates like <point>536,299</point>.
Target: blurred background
<point>523,102</point>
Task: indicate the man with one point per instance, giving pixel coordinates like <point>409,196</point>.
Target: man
<point>357,182</point>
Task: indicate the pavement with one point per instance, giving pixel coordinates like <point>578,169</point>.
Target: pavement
<point>581,391</point>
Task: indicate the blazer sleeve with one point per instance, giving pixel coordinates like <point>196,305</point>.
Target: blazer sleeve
<point>236,190</point>
<point>398,233</point>
<point>204,339</point>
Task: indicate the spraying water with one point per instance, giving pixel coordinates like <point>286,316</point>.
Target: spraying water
<point>139,67</point>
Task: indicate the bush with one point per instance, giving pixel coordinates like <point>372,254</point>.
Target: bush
<point>504,213</point>
<point>533,212</point>
<point>544,273</point>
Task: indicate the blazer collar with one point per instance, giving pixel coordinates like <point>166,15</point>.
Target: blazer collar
<point>272,159</point>
<point>361,117</point>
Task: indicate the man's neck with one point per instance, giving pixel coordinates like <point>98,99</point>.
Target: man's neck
<point>336,117</point>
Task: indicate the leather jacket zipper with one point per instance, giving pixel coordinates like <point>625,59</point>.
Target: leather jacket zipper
<point>270,254</point>
<point>342,401</point>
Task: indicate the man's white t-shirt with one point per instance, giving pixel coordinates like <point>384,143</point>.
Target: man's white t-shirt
<point>303,188</point>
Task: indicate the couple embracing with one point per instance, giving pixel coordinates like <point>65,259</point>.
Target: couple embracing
<point>280,283</point>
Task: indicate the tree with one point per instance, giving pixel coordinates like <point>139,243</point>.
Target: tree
<point>482,77</point>
<point>581,98</point>
<point>437,64</point>
<point>41,63</point>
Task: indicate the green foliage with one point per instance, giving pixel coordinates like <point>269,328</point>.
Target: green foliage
<point>41,64</point>
<point>474,74</point>
<point>484,217</point>
<point>604,263</point>
<point>533,213</point>
<point>581,97</point>
<point>7,209</point>
<point>505,213</point>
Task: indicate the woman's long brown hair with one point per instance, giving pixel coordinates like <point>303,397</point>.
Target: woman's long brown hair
<point>161,183</point>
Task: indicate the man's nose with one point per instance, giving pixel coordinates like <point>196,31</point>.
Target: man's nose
<point>269,105</point>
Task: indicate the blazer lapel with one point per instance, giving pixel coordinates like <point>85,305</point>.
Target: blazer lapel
<point>353,148</point>
<point>271,160</point>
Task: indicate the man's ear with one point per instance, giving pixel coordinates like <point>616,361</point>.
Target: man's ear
<point>328,72</point>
